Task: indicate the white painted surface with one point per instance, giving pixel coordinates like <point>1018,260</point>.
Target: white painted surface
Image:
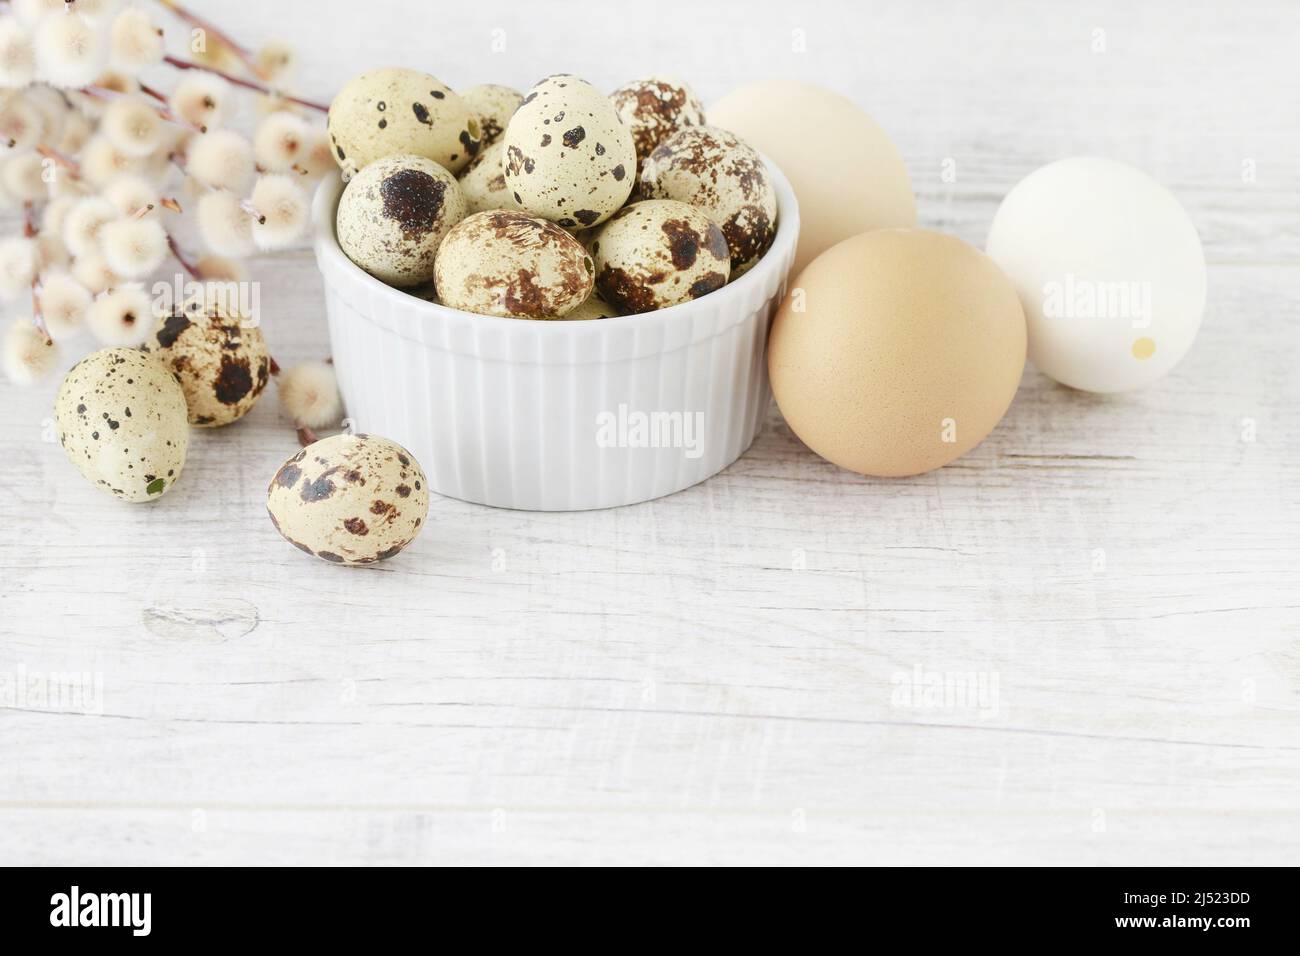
<point>712,677</point>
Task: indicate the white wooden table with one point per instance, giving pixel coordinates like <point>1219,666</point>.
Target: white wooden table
<point>737,673</point>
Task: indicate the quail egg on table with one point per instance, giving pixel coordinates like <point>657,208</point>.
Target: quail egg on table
<point>391,111</point>
<point>657,253</point>
<point>222,366</point>
<point>121,419</point>
<point>714,171</point>
<point>508,263</point>
<point>349,499</point>
<point>484,182</point>
<point>654,108</point>
<point>394,214</point>
<point>492,105</point>
<point>569,158</point>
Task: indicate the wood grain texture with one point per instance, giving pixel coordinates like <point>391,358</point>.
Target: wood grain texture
<point>739,672</point>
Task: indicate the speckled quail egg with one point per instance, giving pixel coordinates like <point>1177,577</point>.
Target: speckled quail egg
<point>654,108</point>
<point>508,263</point>
<point>120,415</point>
<point>394,214</point>
<point>484,182</point>
<point>391,111</point>
<point>657,253</point>
<point>569,158</point>
<point>492,105</point>
<point>349,499</point>
<point>713,170</point>
<point>222,366</point>
<point>594,308</point>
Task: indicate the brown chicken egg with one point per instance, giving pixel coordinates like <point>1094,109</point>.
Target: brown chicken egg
<point>897,351</point>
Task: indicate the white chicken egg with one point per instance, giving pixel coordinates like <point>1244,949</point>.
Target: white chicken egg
<point>1109,269</point>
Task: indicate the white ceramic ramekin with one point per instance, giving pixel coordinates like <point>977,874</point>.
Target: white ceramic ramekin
<point>556,415</point>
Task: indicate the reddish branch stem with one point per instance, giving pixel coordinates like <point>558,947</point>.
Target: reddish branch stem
<point>220,36</point>
<point>164,111</point>
<point>29,232</point>
<point>246,84</point>
<point>59,158</point>
<point>180,257</point>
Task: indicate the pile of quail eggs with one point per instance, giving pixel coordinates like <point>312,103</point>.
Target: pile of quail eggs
<point>123,417</point>
<point>562,203</point>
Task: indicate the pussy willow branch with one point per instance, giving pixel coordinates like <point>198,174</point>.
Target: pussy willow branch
<point>180,64</point>
<point>180,257</point>
<point>38,320</point>
<point>220,36</point>
<point>163,111</point>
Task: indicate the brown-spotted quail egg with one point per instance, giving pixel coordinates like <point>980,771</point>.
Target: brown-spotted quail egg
<point>484,182</point>
<point>492,105</point>
<point>222,366</point>
<point>391,111</point>
<point>569,158</point>
<point>508,263</point>
<point>713,170</point>
<point>657,253</point>
<point>120,414</point>
<point>594,308</point>
<point>349,499</point>
<point>654,108</point>
<point>394,214</point>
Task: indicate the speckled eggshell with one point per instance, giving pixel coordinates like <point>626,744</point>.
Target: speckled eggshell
<point>654,108</point>
<point>394,214</point>
<point>121,419</point>
<point>712,170</point>
<point>397,111</point>
<point>511,264</point>
<point>492,105</point>
<point>569,158</point>
<point>349,499</point>
<point>657,253</point>
<point>594,308</point>
<point>222,367</point>
<point>484,182</point>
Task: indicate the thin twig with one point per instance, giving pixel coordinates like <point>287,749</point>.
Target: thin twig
<point>180,257</point>
<point>220,36</point>
<point>150,91</point>
<point>30,231</point>
<point>38,320</point>
<point>59,158</point>
<point>246,84</point>
<point>163,112</point>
